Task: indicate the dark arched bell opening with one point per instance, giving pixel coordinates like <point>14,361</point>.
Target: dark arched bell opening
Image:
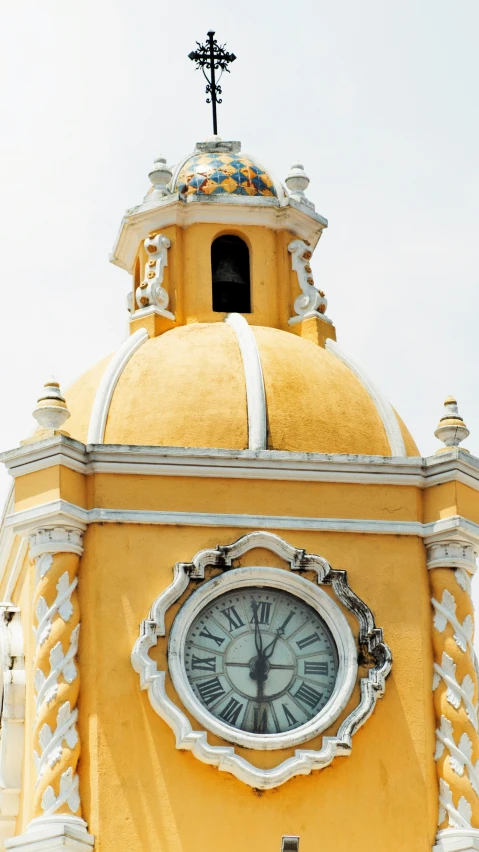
<point>230,275</point>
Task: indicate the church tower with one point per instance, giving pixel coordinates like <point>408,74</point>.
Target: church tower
<point>236,606</point>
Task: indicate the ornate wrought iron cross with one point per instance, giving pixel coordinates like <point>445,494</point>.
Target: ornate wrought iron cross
<point>213,57</point>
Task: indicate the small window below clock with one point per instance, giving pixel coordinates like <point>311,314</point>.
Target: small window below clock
<point>230,275</point>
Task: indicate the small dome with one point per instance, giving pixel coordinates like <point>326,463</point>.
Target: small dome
<point>220,173</point>
<point>186,388</point>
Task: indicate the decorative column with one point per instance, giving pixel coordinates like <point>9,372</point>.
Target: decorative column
<point>12,697</point>
<point>56,807</point>
<point>452,563</point>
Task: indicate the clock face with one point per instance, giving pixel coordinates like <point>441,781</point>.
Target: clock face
<point>261,660</point>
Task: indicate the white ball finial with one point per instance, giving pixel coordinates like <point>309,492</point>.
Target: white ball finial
<point>452,429</point>
<point>297,182</point>
<point>51,411</point>
<point>160,175</point>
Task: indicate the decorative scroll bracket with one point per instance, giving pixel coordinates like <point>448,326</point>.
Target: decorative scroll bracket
<point>312,302</point>
<point>151,292</point>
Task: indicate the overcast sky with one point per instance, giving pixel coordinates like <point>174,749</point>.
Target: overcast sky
<point>379,101</point>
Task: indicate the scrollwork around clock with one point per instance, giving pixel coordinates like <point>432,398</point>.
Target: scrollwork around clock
<point>263,658</point>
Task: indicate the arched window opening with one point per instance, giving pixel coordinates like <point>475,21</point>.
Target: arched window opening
<point>230,275</point>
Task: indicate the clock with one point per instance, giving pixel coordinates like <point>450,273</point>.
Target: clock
<point>262,657</point>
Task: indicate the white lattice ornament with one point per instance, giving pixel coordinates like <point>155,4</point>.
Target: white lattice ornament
<point>46,686</point>
<point>456,692</point>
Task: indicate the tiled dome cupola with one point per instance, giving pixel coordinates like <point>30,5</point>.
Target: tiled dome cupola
<point>224,172</point>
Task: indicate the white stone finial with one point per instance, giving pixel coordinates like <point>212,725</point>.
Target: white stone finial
<point>297,182</point>
<point>452,429</point>
<point>51,411</point>
<point>160,176</point>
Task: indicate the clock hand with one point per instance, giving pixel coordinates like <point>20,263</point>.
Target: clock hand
<point>258,639</point>
<point>268,651</point>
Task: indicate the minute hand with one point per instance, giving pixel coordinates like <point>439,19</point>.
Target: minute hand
<point>268,651</point>
<point>258,639</point>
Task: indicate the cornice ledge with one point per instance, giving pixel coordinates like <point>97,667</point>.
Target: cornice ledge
<point>264,464</point>
<point>269,212</point>
<point>457,840</point>
<point>57,513</point>
<point>64,514</point>
<point>454,529</point>
<point>49,452</point>
<point>58,833</point>
<point>455,465</point>
<point>455,459</point>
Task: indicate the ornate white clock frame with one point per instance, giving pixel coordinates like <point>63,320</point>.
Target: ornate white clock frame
<point>370,642</point>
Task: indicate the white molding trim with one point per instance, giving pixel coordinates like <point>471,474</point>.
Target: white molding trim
<point>451,552</point>
<point>253,374</point>
<point>457,839</point>
<point>455,465</point>
<point>16,569</point>
<point>55,539</point>
<point>12,704</point>
<point>106,388</point>
<point>62,513</point>
<point>57,513</point>
<point>58,833</point>
<point>383,406</point>
<point>225,757</point>
<point>276,213</point>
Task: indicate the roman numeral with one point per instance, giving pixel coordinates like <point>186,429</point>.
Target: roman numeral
<point>232,711</point>
<point>261,610</point>
<point>218,639</point>
<point>308,695</point>
<point>308,640</point>
<point>210,690</point>
<point>289,716</point>
<point>204,664</point>
<point>234,620</point>
<point>315,668</point>
<point>260,720</point>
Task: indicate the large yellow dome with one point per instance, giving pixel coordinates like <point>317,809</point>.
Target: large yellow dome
<point>186,388</point>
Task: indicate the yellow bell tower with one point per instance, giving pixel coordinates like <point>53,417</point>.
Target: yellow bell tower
<point>236,601</point>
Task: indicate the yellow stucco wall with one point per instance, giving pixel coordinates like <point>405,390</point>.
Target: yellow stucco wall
<point>187,277</point>
<point>249,496</point>
<point>139,792</point>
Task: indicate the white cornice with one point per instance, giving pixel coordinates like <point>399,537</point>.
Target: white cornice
<point>56,513</point>
<point>456,465</point>
<point>47,453</point>
<point>273,213</point>
<point>60,512</point>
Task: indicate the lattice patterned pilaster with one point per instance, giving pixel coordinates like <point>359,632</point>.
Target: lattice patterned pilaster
<point>56,744</point>
<point>455,686</point>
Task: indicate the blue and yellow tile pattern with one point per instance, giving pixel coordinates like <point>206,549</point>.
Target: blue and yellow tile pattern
<point>223,174</point>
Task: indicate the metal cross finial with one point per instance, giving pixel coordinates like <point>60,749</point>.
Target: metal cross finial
<point>213,57</point>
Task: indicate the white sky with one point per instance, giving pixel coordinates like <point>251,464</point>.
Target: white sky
<point>378,99</point>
